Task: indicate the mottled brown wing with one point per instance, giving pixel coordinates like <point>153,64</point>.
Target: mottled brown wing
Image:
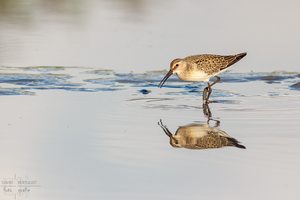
<point>208,63</point>
<point>233,59</point>
<point>211,141</point>
<point>214,63</point>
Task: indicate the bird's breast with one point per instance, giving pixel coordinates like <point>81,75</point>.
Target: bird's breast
<point>195,75</point>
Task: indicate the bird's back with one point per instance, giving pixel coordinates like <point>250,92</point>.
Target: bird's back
<point>213,64</point>
<point>204,137</point>
<point>214,140</point>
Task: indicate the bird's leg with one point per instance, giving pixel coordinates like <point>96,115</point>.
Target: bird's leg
<point>206,110</point>
<point>208,114</point>
<point>204,96</point>
<point>207,91</point>
<point>216,81</point>
<point>217,122</point>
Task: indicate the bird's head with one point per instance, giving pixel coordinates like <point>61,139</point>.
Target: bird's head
<point>176,66</point>
<point>174,142</point>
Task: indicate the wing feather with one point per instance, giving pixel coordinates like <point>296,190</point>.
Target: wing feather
<point>213,63</point>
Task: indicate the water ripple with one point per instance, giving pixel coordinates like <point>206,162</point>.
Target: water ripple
<point>14,91</point>
<point>29,80</point>
<point>295,86</point>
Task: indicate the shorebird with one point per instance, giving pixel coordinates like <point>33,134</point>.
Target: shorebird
<point>200,136</point>
<point>200,68</point>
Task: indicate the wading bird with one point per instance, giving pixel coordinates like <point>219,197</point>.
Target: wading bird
<point>200,68</point>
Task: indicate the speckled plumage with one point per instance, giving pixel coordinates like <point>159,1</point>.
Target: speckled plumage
<point>213,139</point>
<point>200,136</point>
<point>212,64</point>
<point>201,68</point>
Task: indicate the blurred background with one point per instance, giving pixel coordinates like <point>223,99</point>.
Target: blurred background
<point>144,35</point>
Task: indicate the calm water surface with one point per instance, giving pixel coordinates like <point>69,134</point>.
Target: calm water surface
<point>80,105</point>
<point>90,133</point>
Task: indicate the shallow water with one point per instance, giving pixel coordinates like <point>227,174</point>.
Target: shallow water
<point>85,133</point>
<point>93,132</point>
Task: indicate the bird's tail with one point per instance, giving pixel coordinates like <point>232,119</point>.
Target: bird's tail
<point>240,56</point>
<point>235,58</point>
<point>235,143</point>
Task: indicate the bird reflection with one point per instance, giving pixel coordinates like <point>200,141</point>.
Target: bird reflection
<point>200,135</point>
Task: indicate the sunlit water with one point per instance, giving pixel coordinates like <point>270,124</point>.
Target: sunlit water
<point>84,133</point>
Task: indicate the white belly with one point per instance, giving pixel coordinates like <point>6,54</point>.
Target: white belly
<point>194,76</point>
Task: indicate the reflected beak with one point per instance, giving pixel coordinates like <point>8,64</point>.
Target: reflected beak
<point>165,78</point>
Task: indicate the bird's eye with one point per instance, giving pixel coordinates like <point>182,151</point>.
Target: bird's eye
<point>176,65</point>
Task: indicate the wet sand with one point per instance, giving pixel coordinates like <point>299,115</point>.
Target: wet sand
<point>84,133</point>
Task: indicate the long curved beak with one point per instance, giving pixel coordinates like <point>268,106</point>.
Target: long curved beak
<point>165,78</point>
<point>165,129</point>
